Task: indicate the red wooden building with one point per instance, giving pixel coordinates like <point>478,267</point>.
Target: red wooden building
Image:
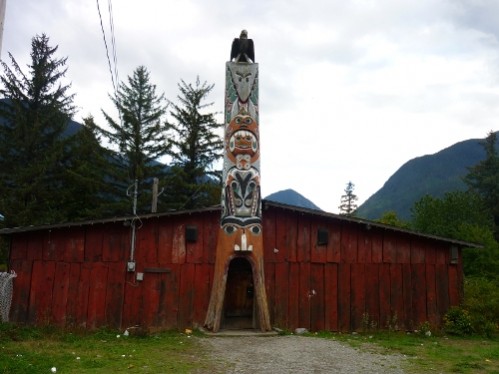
<point>322,272</point>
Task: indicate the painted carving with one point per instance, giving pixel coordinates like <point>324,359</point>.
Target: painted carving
<point>241,199</point>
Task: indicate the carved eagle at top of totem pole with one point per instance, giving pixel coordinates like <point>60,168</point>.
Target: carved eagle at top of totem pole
<point>242,49</point>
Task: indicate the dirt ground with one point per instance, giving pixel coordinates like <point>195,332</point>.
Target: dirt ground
<point>294,354</point>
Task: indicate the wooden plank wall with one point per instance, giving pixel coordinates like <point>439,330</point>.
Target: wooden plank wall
<point>77,276</point>
<point>363,277</point>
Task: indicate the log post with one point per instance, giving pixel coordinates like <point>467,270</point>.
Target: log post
<point>240,233</point>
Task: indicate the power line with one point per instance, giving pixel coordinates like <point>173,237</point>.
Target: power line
<point>114,82</point>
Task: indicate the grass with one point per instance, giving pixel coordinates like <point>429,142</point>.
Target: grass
<point>439,354</point>
<point>38,350</point>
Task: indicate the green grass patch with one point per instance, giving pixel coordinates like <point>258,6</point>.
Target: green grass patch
<point>441,354</point>
<point>38,350</point>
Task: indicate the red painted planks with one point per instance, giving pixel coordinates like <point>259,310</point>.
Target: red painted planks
<point>318,252</point>
<point>334,245</point>
<point>42,284</point>
<point>396,296</point>
<point>305,295</point>
<point>331,297</point>
<point>389,249</point>
<point>317,298</point>
<point>285,246</point>
<point>146,249</point>
<point>20,297</point>
<point>418,274</point>
<point>407,295</point>
<point>442,288</point>
<point>93,243</point>
<point>82,299</point>
<point>186,298</point>
<point>418,252</point>
<point>454,285</point>
<point>72,303</point>
<point>202,288</point>
<point>357,295</point>
<point>280,300</point>
<point>194,249</point>
<point>269,235</point>
<point>114,294</point>
<point>96,315</point>
<point>377,248</point>
<point>294,295</point>
<point>18,248</point>
<point>61,291</point>
<point>270,284</point>
<point>372,295</point>
<point>385,308</point>
<point>303,240</point>
<point>74,246</point>
<point>403,249</point>
<point>165,242</point>
<point>364,250</point>
<point>344,297</point>
<point>348,244</point>
<point>178,248</point>
<point>431,295</point>
<point>172,297</point>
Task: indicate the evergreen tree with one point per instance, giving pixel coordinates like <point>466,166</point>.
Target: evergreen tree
<point>193,181</point>
<point>91,176</point>
<point>462,216</point>
<point>348,204</point>
<point>140,134</point>
<point>35,110</point>
<point>483,178</point>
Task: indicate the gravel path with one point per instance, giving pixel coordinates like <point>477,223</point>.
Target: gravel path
<point>295,354</point>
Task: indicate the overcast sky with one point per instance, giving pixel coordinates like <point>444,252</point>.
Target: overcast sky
<point>349,90</point>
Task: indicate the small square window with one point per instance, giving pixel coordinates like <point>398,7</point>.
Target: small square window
<point>322,236</point>
<point>191,234</point>
<point>454,255</point>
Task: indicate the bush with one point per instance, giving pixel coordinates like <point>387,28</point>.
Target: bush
<point>457,321</point>
<point>481,300</point>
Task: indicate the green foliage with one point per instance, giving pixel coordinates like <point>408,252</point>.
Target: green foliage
<point>34,150</point>
<point>457,321</point>
<point>390,218</point>
<point>193,181</point>
<point>140,134</point>
<point>483,178</point>
<point>481,300</point>
<point>348,203</point>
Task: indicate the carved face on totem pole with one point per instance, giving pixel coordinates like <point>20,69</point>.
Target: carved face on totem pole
<point>241,199</point>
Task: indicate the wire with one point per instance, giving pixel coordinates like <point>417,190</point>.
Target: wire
<point>113,42</point>
<point>107,49</point>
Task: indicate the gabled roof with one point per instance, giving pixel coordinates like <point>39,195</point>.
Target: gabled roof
<point>266,204</point>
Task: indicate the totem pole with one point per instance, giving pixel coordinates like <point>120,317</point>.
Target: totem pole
<point>240,233</point>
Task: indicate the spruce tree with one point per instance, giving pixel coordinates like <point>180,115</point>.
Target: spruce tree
<point>35,110</point>
<point>348,204</point>
<point>193,180</point>
<point>139,134</point>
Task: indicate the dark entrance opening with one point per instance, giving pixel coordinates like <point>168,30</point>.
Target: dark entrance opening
<point>239,295</point>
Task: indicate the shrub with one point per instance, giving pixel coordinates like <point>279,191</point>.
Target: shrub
<point>481,300</point>
<point>457,321</point>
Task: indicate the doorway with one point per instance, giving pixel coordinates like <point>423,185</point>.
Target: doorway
<point>239,296</point>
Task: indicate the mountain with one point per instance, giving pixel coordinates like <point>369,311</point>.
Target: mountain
<point>434,175</point>
<point>291,197</point>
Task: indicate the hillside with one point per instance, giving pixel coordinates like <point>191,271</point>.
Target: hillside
<point>433,174</point>
<point>291,197</point>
